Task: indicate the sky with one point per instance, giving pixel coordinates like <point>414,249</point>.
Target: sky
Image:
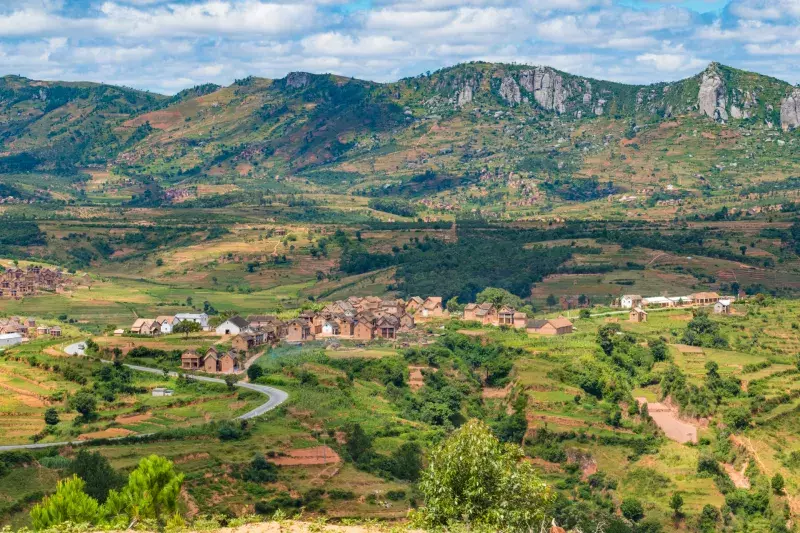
<point>168,45</point>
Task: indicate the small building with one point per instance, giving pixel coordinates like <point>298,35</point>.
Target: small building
<point>638,315</point>
<point>657,301</point>
<point>161,391</point>
<point>233,326</point>
<point>705,298</point>
<point>299,330</point>
<point>167,323</point>
<point>244,342</point>
<point>119,332</point>
<point>146,326</point>
<point>414,303</point>
<point>484,313</point>
<point>508,316</point>
<point>190,360</point>
<point>432,308</point>
<point>629,301</point>
<point>363,330</point>
<point>722,307</point>
<point>55,331</point>
<point>554,326</point>
<point>10,339</point>
<point>42,330</point>
<point>215,362</point>
<point>200,318</point>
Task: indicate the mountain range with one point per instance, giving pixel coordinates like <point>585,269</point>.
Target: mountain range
<point>305,121</point>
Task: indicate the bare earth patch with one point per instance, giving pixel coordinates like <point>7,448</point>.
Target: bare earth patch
<point>319,455</point>
<point>738,477</point>
<point>666,418</point>
<point>109,433</point>
<point>685,348</point>
<point>133,419</point>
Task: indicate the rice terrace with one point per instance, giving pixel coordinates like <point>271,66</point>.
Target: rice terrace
<point>472,296</point>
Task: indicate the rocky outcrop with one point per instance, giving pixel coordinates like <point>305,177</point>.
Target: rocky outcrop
<point>790,111</point>
<point>547,87</point>
<point>464,95</point>
<point>297,80</point>
<point>712,97</point>
<point>509,91</point>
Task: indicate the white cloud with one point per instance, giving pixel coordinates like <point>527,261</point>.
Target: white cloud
<point>778,49</point>
<point>672,62</point>
<point>333,43</point>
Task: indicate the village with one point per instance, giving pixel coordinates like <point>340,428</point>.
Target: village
<point>16,283</point>
<point>356,319</point>
<point>638,305</point>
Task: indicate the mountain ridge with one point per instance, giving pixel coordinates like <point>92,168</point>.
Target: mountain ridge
<point>306,119</point>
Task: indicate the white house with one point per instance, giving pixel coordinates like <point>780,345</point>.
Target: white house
<point>200,318</point>
<point>10,339</point>
<point>629,301</point>
<point>658,301</point>
<point>722,307</point>
<point>161,391</point>
<point>233,326</point>
<point>167,323</point>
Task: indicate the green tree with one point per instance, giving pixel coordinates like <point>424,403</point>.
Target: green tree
<point>551,300</point>
<point>254,372</point>
<point>658,348</point>
<point>498,297</point>
<point>777,483</point>
<point>709,517</point>
<point>85,403</point>
<point>737,417</point>
<point>51,417</point>
<point>632,509</point>
<point>359,444</point>
<point>606,335</point>
<point>151,493</point>
<point>676,504</point>
<point>68,504</point>
<point>407,461</point>
<point>584,314</point>
<point>186,327</point>
<point>474,478</point>
<point>97,473</point>
<point>230,381</point>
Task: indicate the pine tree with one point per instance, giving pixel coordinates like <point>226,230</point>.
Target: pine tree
<point>68,504</point>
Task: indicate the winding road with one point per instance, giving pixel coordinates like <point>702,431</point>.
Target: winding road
<point>276,397</point>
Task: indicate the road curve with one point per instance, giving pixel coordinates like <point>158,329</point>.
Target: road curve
<point>276,397</point>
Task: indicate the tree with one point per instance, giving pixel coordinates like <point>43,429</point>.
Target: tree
<point>474,478</point>
<point>254,372</point>
<point>68,504</point>
<point>261,470</point>
<point>632,509</point>
<point>676,503</point>
<point>407,461</point>
<point>777,483</point>
<point>606,335</point>
<point>584,314</point>
<point>737,417</point>
<point>51,417</point>
<point>230,381</point>
<point>359,444</point>
<point>498,297</point>
<point>453,306</point>
<point>551,300</point>
<point>709,517</point>
<point>85,403</point>
<point>658,348</point>
<point>186,327</point>
<point>151,493</point>
<point>743,249</point>
<point>97,474</point>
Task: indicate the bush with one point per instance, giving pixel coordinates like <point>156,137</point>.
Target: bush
<point>632,509</point>
<point>396,495</point>
<point>261,471</point>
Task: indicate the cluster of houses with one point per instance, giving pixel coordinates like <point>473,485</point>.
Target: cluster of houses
<point>164,325</point>
<point>490,315</point>
<point>638,305</point>
<point>16,330</point>
<point>16,283</point>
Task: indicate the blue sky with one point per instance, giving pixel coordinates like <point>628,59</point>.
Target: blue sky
<point>168,45</point>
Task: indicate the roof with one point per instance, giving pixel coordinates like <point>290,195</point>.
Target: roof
<point>191,316</point>
<point>432,301</point>
<point>238,321</point>
<point>536,324</point>
<point>165,319</point>
<point>262,318</point>
<point>189,353</point>
<point>657,299</point>
<point>632,296</point>
<point>706,295</point>
<point>416,299</point>
<point>639,310</point>
<point>560,322</point>
<point>10,336</point>
<point>724,302</point>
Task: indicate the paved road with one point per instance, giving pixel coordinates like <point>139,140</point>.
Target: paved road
<point>276,397</point>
